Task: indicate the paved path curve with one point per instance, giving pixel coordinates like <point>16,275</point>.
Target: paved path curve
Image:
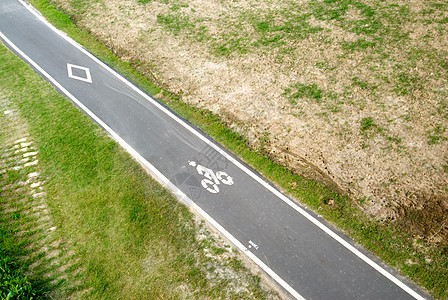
<point>302,253</point>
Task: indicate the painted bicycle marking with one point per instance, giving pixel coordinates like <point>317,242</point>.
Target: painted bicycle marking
<point>212,179</point>
<point>252,244</point>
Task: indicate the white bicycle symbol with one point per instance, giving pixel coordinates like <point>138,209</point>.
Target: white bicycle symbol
<point>212,180</point>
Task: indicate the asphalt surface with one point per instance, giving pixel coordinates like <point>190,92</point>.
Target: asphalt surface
<point>303,254</point>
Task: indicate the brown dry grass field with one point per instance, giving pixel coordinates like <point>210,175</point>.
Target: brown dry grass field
<point>353,94</point>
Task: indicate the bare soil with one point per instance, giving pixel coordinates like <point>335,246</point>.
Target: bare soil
<point>375,127</point>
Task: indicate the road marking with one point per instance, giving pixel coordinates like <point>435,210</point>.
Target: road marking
<point>156,173</point>
<point>227,180</point>
<point>252,244</point>
<point>211,181</point>
<point>88,77</point>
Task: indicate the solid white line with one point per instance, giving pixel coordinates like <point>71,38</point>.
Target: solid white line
<point>235,162</point>
<point>157,174</point>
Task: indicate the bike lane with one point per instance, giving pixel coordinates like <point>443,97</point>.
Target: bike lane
<point>283,236</point>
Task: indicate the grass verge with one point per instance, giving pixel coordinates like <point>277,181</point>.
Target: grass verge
<point>425,265</point>
<point>125,236</point>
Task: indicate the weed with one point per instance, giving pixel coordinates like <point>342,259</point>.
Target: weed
<point>434,139</point>
<point>218,251</point>
<point>330,9</point>
<point>406,83</point>
<point>363,200</point>
<point>13,176</point>
<point>435,135</point>
<point>175,23</point>
<point>367,123</point>
<point>356,81</point>
<point>396,140</point>
<point>358,45</point>
<point>442,110</point>
<point>300,90</point>
<point>230,46</point>
<point>322,65</point>
<point>13,283</point>
<point>263,142</point>
<point>81,5</point>
<point>15,215</point>
<point>262,26</point>
<point>295,27</point>
<point>177,6</point>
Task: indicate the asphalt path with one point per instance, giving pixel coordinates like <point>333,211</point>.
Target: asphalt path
<point>303,254</point>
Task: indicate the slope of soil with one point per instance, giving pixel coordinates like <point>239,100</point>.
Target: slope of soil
<point>351,93</point>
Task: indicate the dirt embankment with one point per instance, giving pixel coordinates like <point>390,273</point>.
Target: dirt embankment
<point>352,95</point>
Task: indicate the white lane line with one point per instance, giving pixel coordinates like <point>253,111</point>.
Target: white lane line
<point>316,222</point>
<point>157,174</point>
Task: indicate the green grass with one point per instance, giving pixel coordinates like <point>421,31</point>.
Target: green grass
<point>367,123</point>
<point>359,44</point>
<point>236,39</point>
<point>388,242</point>
<point>406,83</point>
<point>300,90</point>
<point>175,23</point>
<point>435,135</point>
<point>362,84</point>
<point>132,238</point>
<point>14,284</point>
